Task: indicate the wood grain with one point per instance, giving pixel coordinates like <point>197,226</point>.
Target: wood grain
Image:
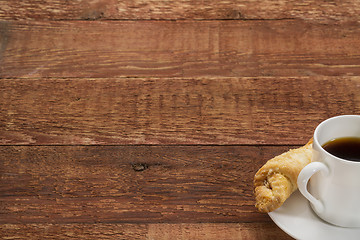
<point>310,10</point>
<point>148,119</point>
<point>100,184</point>
<point>75,231</point>
<point>177,49</point>
<point>200,231</point>
<point>171,111</point>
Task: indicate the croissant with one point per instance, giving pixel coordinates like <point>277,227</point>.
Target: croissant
<point>276,180</point>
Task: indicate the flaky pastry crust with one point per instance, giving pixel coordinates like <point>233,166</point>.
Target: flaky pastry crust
<point>277,179</point>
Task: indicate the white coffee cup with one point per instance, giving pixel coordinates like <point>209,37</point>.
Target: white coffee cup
<point>334,187</point>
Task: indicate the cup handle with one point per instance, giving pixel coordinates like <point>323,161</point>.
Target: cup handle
<point>303,180</point>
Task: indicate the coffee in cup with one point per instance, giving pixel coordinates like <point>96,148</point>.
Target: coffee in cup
<point>334,188</point>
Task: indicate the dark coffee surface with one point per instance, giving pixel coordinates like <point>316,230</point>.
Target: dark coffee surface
<point>347,148</point>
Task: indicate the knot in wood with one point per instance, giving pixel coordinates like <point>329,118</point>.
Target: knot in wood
<point>138,167</point>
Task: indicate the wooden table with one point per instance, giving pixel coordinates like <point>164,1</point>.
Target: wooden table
<point>148,119</point>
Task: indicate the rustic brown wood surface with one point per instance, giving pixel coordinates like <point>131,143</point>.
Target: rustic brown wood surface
<point>130,184</point>
<point>199,231</point>
<point>148,119</point>
<point>177,49</point>
<point>171,110</point>
<point>143,185</point>
<point>311,10</point>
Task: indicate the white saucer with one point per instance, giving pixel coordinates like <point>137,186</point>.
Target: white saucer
<point>296,218</point>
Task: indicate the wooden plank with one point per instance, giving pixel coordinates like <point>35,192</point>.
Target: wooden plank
<point>200,231</point>
<point>130,184</point>
<point>177,49</point>
<point>310,10</point>
<point>171,111</point>
<point>74,231</point>
<point>206,231</point>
